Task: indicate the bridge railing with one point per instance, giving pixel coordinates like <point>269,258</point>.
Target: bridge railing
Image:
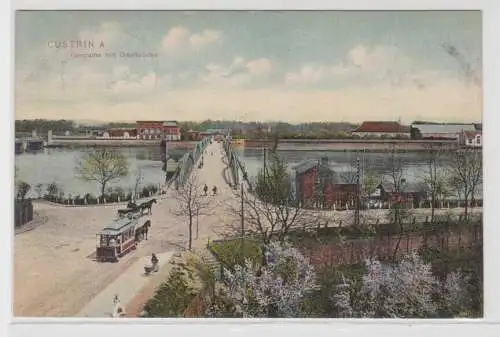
<point>235,164</point>
<point>187,162</point>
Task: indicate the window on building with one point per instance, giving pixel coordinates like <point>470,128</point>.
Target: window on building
<point>469,141</point>
<point>478,140</point>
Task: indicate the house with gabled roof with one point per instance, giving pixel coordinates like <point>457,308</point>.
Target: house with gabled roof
<point>325,185</point>
<point>410,193</point>
<point>473,139</point>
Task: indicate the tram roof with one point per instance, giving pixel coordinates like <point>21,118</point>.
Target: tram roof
<point>118,226</point>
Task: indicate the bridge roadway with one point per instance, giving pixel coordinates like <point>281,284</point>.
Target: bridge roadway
<point>132,282</point>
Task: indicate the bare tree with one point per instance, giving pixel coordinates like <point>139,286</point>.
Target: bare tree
<point>272,211</point>
<point>434,175</point>
<point>103,166</point>
<point>138,180</point>
<point>398,212</point>
<point>466,172</point>
<point>370,184</point>
<point>191,203</point>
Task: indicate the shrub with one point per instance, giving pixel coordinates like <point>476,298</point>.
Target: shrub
<point>171,298</point>
<point>229,253</point>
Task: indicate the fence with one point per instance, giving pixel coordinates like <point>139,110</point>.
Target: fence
<point>187,162</point>
<point>382,247</point>
<point>23,212</point>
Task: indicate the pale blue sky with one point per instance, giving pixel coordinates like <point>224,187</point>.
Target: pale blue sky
<point>297,66</point>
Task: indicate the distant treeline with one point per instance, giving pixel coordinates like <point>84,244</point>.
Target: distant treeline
<point>248,130</point>
<point>42,126</point>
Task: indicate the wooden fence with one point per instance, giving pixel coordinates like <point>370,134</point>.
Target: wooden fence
<point>23,212</point>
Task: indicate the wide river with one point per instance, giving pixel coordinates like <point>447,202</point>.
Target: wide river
<point>58,165</point>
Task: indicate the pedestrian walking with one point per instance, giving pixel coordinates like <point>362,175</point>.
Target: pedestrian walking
<point>205,189</point>
<point>214,190</point>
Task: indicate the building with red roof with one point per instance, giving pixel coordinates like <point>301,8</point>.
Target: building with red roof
<point>382,130</point>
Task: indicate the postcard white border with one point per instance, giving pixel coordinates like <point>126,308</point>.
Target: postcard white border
<point>186,327</point>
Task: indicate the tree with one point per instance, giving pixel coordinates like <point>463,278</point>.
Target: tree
<point>102,166</point>
<point>277,289</point>
<point>466,171</point>
<point>370,184</point>
<point>22,190</point>
<point>406,289</point>
<point>272,210</point>
<point>398,211</point>
<point>434,176</point>
<point>191,203</point>
<point>38,190</point>
<point>53,189</point>
<point>138,180</point>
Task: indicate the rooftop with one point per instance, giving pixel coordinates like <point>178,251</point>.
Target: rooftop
<point>443,128</point>
<point>472,134</point>
<point>339,173</point>
<point>389,127</point>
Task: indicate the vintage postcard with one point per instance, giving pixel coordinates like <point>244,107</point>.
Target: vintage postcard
<point>248,164</point>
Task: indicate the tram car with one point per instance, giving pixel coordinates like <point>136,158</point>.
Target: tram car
<point>117,239</point>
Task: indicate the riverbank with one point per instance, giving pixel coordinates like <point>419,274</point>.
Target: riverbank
<point>343,145</point>
<point>72,143</point>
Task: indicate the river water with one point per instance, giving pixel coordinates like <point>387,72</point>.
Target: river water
<point>375,163</point>
<point>58,165</point>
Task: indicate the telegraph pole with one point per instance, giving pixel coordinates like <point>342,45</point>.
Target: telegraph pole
<point>358,201</point>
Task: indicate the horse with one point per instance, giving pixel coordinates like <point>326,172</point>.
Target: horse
<point>147,205</point>
<point>143,231</point>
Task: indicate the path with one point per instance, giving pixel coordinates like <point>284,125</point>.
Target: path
<point>125,287</point>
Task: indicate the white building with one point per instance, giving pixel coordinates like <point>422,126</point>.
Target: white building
<point>471,139</point>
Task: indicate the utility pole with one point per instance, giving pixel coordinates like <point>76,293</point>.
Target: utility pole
<point>358,201</point>
<point>265,167</point>
<point>242,222</point>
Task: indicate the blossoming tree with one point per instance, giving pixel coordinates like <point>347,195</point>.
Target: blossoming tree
<point>275,289</point>
<point>407,289</point>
